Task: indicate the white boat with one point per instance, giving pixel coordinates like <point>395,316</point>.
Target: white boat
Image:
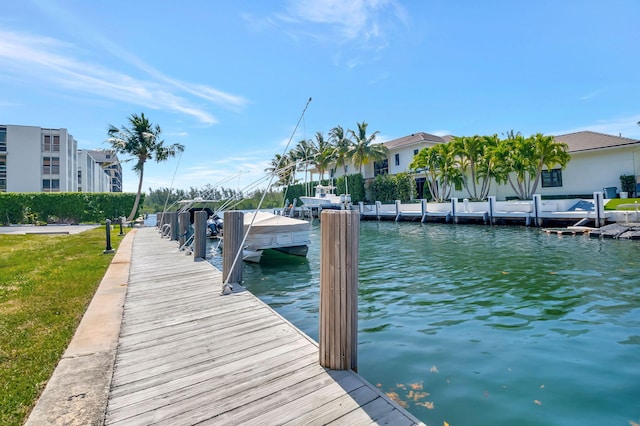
<point>326,198</point>
<point>270,231</point>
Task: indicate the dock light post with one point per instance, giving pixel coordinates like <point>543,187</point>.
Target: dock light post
<point>121,233</point>
<point>338,337</point>
<point>108,249</point>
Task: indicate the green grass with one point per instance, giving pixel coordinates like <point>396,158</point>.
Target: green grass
<point>614,203</point>
<point>46,284</point>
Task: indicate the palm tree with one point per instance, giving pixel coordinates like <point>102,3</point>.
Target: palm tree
<point>141,140</point>
<point>363,150</point>
<point>283,167</point>
<point>323,154</point>
<point>520,161</point>
<point>441,169</point>
<point>343,147</point>
<point>303,154</point>
<point>475,156</point>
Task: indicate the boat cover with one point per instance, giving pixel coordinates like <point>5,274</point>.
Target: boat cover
<point>267,223</point>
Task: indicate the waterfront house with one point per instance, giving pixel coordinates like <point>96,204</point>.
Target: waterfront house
<point>597,162</point>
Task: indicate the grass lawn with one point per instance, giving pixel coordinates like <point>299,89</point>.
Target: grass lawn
<point>615,203</point>
<point>46,284</point>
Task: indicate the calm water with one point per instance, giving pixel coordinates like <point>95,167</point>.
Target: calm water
<point>478,325</point>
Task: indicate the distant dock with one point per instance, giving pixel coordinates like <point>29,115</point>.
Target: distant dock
<point>188,355</point>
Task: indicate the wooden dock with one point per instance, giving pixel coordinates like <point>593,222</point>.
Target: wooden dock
<point>188,355</point>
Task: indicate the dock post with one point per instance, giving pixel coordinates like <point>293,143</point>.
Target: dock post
<point>108,248</point>
<point>492,208</point>
<point>537,208</point>
<point>378,207</point>
<point>200,235</point>
<point>598,201</point>
<point>184,221</point>
<point>361,208</point>
<point>423,208</point>
<point>174,226</point>
<point>338,336</point>
<point>232,251</point>
<point>454,208</point>
<point>397,202</point>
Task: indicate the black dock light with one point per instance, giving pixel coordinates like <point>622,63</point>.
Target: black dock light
<point>121,233</point>
<point>108,249</point>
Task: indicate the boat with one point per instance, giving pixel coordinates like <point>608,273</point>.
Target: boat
<point>268,231</point>
<point>326,198</point>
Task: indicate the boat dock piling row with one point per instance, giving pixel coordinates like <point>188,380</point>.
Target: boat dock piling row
<point>534,212</point>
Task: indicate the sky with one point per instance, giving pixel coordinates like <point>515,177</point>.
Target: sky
<point>230,80</point>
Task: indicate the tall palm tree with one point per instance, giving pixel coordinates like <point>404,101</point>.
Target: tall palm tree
<point>142,141</point>
<point>283,167</point>
<point>303,153</point>
<point>324,154</point>
<point>343,147</point>
<point>364,150</point>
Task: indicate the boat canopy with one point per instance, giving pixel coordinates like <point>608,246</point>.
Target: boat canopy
<point>266,223</point>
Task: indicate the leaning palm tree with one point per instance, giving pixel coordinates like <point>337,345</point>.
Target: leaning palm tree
<point>364,150</point>
<point>141,140</point>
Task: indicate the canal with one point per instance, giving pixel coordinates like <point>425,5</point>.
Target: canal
<point>479,325</point>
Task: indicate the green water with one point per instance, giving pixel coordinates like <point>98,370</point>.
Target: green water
<point>478,325</point>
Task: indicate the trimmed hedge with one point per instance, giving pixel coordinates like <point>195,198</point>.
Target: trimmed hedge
<point>63,207</point>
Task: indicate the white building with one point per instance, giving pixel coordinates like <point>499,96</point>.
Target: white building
<point>597,162</point>
<point>99,171</point>
<point>33,159</point>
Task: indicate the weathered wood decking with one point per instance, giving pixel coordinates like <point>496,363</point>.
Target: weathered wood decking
<point>188,355</point>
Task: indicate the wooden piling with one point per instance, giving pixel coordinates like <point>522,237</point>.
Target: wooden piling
<point>233,234</point>
<point>338,336</point>
<point>184,219</point>
<point>200,235</point>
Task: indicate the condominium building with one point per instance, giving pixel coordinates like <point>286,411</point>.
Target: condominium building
<point>108,161</point>
<point>36,159</point>
<point>91,176</point>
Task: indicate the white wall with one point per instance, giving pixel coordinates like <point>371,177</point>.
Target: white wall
<point>24,159</point>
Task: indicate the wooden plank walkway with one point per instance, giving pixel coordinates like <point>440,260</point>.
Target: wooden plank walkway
<point>188,355</point>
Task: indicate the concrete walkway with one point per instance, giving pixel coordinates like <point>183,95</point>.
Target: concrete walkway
<point>48,229</point>
<point>78,390</point>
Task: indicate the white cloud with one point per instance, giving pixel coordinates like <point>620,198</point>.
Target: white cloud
<point>54,63</point>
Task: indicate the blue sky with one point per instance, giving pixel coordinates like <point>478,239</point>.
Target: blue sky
<point>229,79</point>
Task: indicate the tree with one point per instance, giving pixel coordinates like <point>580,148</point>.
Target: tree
<point>343,147</point>
<point>324,154</point>
<point>283,167</point>
<point>364,150</point>
<point>520,161</point>
<point>476,161</point>
<point>141,140</point>
<point>441,169</point>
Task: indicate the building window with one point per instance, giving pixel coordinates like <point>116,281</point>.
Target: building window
<point>56,143</point>
<point>381,167</point>
<point>332,173</point>
<point>51,166</point>
<point>552,178</point>
<point>3,139</point>
<point>415,152</point>
<point>397,159</point>
<point>46,145</point>
<point>3,173</point>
